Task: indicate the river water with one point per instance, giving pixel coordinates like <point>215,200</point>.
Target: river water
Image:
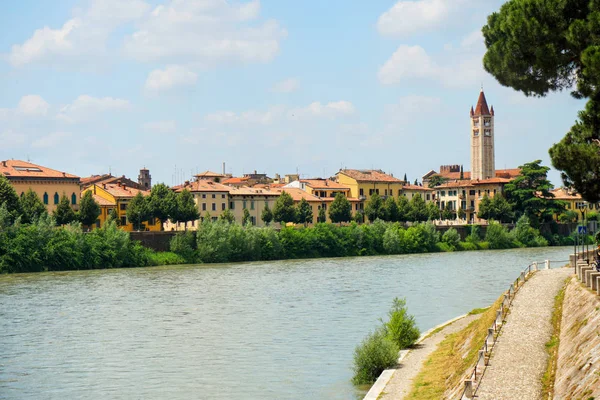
<point>276,330</point>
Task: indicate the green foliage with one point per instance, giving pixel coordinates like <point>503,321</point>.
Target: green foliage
<point>390,210</point>
<point>64,214</point>
<point>162,204</point>
<point>304,213</point>
<point>447,213</point>
<point>284,210</point>
<point>374,207</point>
<point>31,207</point>
<point>461,213</point>
<point>437,180</point>
<point>321,217</point>
<point>529,194</point>
<point>433,211</point>
<point>227,216</point>
<point>245,217</point>
<point>401,327</point>
<point>474,236</point>
<point>526,235</point>
<point>184,245</point>
<point>418,210</point>
<point>403,209</point>
<point>374,354</point>
<point>138,210</point>
<point>185,209</point>
<point>498,236</point>
<point>266,215</point>
<point>496,208</point>
<point>359,217</point>
<point>164,258</point>
<point>340,209</point>
<point>9,196</point>
<point>451,238</point>
<point>89,209</point>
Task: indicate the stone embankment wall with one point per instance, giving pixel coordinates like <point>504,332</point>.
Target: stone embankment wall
<point>158,241</point>
<point>578,371</point>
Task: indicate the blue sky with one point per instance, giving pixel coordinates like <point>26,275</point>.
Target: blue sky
<point>276,86</point>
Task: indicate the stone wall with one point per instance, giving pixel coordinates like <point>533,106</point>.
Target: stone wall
<point>158,241</point>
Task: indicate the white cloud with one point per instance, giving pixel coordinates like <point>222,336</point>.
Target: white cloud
<point>251,116</point>
<point>286,86</point>
<point>51,140</point>
<point>81,39</point>
<point>408,62</point>
<point>329,110</point>
<point>85,107</point>
<point>409,17</point>
<point>171,77</point>
<point>33,105</point>
<point>9,138</point>
<point>408,106</point>
<point>205,32</point>
<point>160,126</point>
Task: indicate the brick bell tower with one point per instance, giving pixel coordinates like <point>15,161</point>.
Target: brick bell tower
<point>482,140</point>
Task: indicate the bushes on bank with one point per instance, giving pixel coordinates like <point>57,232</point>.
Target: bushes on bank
<point>401,327</point>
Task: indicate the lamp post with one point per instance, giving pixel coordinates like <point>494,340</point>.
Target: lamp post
<point>582,208</point>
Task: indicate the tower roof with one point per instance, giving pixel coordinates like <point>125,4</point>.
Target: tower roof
<point>482,108</point>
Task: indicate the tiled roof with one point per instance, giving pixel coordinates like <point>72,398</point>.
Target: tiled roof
<point>323,184</point>
<point>370,175</point>
<point>90,180</point>
<point>299,194</point>
<point>490,181</point>
<point>508,173</point>
<point>102,201</point>
<point>500,173</point>
<point>469,183</point>
<point>24,169</point>
<point>416,188</point>
<point>208,174</point>
<point>565,194</point>
<point>107,178</point>
<point>122,191</point>
<point>235,181</point>
<point>482,108</point>
<point>454,184</point>
<point>202,186</point>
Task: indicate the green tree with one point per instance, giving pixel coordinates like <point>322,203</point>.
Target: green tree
<point>461,213</point>
<point>540,46</point>
<point>485,208</point>
<point>374,207</point>
<point>529,194</point>
<point>138,211</point>
<point>9,196</point>
<point>322,217</point>
<point>89,209</point>
<point>403,209</point>
<point>227,216</point>
<point>418,209</point>
<point>359,217</point>
<point>284,210</point>
<point>451,238</point>
<point>390,210</point>
<point>246,217</point>
<point>185,209</point>
<point>447,213</point>
<point>462,173</point>
<point>64,214</point>
<point>501,208</point>
<point>405,179</point>
<point>266,215</point>
<point>436,180</point>
<point>340,209</point>
<point>162,203</point>
<point>31,207</point>
<point>304,213</point>
<point>401,328</point>
<point>433,210</point>
<point>374,354</point>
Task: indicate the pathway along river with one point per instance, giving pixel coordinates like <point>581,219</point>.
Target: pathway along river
<point>277,330</point>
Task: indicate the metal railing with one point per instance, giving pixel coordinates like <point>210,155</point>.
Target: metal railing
<point>473,380</point>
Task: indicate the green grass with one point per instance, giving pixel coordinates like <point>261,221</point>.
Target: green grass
<point>477,311</point>
<point>164,258</point>
<point>552,345</point>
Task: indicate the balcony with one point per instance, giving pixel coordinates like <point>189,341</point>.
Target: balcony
<point>362,198</point>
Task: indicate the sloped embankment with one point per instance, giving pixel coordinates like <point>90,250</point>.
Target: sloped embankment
<point>578,366</point>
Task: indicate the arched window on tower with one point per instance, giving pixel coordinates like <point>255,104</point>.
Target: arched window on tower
<point>45,198</point>
<point>56,198</point>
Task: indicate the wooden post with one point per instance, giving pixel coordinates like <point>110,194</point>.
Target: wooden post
<point>468,389</point>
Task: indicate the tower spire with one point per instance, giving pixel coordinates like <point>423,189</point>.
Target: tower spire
<point>482,108</point>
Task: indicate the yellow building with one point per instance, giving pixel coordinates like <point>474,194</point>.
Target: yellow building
<point>117,196</point>
<point>252,199</point>
<point>326,190</point>
<point>50,185</point>
<point>363,183</point>
<point>410,191</point>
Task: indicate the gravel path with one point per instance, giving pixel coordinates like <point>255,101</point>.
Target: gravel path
<point>402,380</point>
<point>519,357</point>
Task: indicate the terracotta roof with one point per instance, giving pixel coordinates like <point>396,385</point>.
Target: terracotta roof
<point>370,175</point>
<point>24,169</point>
<point>90,180</point>
<point>454,184</point>
<point>208,174</point>
<point>508,173</point>
<point>482,108</point>
<point>500,173</point>
<point>565,194</point>
<point>417,188</point>
<point>299,194</point>
<point>202,186</point>
<point>252,191</point>
<point>235,181</point>
<point>102,201</point>
<point>107,178</point>
<point>490,181</point>
<point>323,184</point>
<point>122,191</point>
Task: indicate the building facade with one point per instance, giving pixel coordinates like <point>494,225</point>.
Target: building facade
<point>363,183</point>
<point>255,200</point>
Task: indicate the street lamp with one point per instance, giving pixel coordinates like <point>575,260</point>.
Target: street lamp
<point>582,207</point>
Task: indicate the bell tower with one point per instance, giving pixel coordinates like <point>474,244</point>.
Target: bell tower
<point>482,140</point>
<point>144,179</point>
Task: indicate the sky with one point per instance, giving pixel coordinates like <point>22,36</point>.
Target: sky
<point>276,86</point>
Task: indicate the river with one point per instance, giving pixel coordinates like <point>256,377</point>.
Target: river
<point>274,330</point>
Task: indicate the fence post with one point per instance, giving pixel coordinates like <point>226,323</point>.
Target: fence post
<point>547,264</point>
<point>468,389</point>
<point>490,338</point>
<point>535,265</point>
<point>498,318</point>
<point>481,360</point>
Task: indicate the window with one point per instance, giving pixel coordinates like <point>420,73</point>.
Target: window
<point>487,132</point>
<point>73,199</point>
<point>443,192</point>
<point>203,206</point>
<point>231,203</point>
<point>244,204</point>
<point>472,192</point>
<point>123,206</point>
<point>385,192</point>
<point>123,221</point>
<point>428,197</point>
<point>203,195</point>
<point>252,204</point>
<point>223,196</point>
<point>361,192</point>
<point>253,220</point>
<point>494,191</point>
<point>399,192</point>
<point>46,198</point>
<point>214,207</point>
<point>475,132</point>
<point>56,198</point>
<point>223,206</point>
<point>214,196</point>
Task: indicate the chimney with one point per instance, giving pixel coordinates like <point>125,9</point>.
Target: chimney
<point>64,174</point>
<point>4,163</point>
<point>223,167</point>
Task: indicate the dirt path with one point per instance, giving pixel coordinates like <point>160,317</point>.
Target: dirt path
<point>401,381</point>
<point>519,358</point>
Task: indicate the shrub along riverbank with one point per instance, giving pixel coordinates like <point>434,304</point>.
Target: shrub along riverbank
<point>41,246</point>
